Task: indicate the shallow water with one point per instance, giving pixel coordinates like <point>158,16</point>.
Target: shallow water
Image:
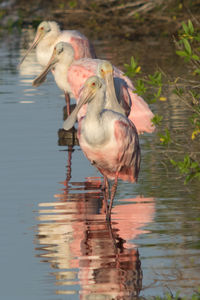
<point>55,243</point>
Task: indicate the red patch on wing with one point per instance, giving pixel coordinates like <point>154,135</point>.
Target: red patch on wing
<point>77,75</point>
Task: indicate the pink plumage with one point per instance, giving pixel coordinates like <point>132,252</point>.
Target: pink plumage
<point>79,71</point>
<point>82,48</point>
<point>123,150</point>
<point>108,138</point>
<point>70,75</point>
<point>139,111</point>
<point>48,35</point>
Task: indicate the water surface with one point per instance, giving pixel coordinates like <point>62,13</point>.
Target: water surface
<point>55,243</point>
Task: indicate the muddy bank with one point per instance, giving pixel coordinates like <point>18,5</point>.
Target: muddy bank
<point>102,19</point>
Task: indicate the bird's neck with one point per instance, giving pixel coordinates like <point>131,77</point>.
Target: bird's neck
<point>45,48</point>
<point>61,72</point>
<point>96,106</point>
<point>48,40</point>
<point>93,131</point>
<point>63,65</point>
<point>111,99</point>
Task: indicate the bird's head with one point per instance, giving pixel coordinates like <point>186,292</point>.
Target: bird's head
<point>105,69</point>
<point>62,52</point>
<point>42,30</point>
<point>90,88</point>
<point>87,93</point>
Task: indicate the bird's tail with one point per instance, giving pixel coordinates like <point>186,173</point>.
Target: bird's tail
<point>140,114</point>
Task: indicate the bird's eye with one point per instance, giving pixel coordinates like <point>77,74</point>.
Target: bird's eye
<point>93,84</point>
<point>42,28</point>
<point>102,70</point>
<point>60,50</point>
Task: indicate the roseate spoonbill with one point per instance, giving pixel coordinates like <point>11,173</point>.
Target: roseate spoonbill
<point>49,34</point>
<point>108,139</point>
<point>121,93</point>
<point>70,75</point>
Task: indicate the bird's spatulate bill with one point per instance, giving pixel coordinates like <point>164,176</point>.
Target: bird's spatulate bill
<point>42,76</point>
<point>37,39</point>
<point>70,121</point>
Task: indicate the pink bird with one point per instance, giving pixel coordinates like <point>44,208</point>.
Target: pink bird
<point>71,74</point>
<point>108,139</point>
<point>49,34</point>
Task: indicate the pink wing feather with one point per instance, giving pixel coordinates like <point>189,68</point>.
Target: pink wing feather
<point>140,113</point>
<point>128,150</point>
<point>77,75</point>
<point>82,48</point>
<point>125,157</point>
<point>136,108</point>
<point>122,155</point>
<point>79,71</point>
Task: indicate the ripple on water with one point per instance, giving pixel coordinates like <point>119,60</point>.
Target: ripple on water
<point>90,255</point>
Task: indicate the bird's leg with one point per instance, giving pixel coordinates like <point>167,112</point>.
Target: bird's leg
<point>106,186</point>
<point>69,163</point>
<point>113,191</point>
<point>111,233</point>
<point>117,247</point>
<point>67,100</point>
<point>106,195</point>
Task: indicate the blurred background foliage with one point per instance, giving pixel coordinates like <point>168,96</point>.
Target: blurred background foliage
<point>186,88</point>
<point>122,18</point>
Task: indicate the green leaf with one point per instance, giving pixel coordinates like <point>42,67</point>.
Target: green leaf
<point>187,46</point>
<point>155,79</point>
<point>157,95</point>
<point>181,53</point>
<point>190,26</point>
<point>197,71</point>
<point>185,28</point>
<point>194,164</point>
<point>140,88</point>
<point>157,119</point>
<point>189,178</point>
<point>173,162</point>
<point>187,161</point>
<point>133,68</point>
<point>197,175</point>
<point>165,139</point>
<point>133,62</point>
<point>197,37</point>
<point>72,4</point>
<point>178,91</point>
<point>195,57</point>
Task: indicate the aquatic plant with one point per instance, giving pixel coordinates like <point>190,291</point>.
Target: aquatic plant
<point>170,296</point>
<point>187,91</point>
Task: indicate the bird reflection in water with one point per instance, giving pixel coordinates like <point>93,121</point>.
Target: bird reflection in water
<point>89,255</point>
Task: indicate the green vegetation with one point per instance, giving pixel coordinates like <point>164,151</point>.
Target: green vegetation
<point>186,91</point>
<point>187,37</point>
<point>169,296</point>
<point>124,19</point>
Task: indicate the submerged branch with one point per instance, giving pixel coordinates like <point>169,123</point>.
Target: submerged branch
<point>128,5</point>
